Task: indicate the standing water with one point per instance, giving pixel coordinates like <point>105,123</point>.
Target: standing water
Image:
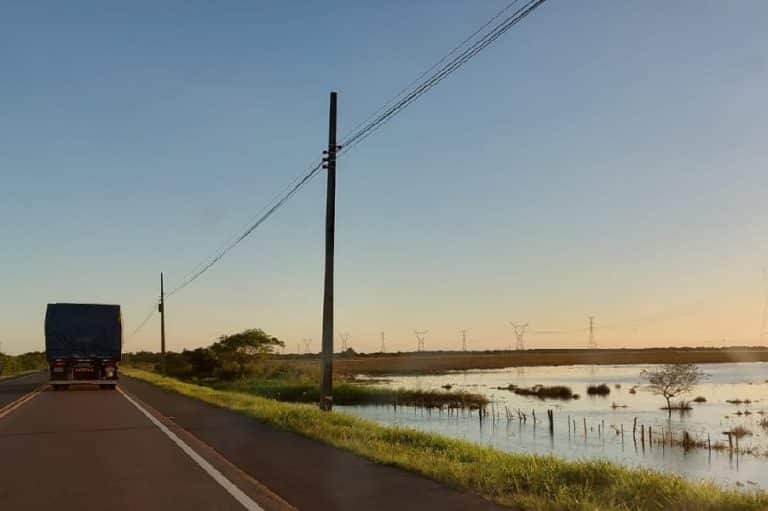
<point>745,385</point>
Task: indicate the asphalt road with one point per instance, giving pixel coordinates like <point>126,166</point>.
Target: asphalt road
<point>11,390</point>
<point>87,448</point>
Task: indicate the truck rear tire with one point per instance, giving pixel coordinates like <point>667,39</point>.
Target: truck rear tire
<point>107,386</point>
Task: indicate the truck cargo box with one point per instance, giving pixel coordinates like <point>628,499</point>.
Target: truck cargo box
<point>83,331</point>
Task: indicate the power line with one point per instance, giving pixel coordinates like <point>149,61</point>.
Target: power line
<point>145,321</point>
<point>379,120</point>
<point>429,70</point>
<point>454,64</point>
<point>295,188</point>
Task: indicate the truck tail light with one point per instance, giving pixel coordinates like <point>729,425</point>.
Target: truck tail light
<point>58,362</point>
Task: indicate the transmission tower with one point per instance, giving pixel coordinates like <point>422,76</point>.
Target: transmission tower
<point>764,319</point>
<point>519,334</point>
<point>383,345</point>
<point>307,342</point>
<point>420,336</point>
<point>344,339</point>
<point>463,340</point>
<point>592,343</point>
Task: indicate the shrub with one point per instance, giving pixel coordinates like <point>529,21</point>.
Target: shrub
<point>599,390</point>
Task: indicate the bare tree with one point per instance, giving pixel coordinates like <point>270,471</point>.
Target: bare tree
<point>671,380</point>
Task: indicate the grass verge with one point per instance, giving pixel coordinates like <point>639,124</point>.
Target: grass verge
<point>534,483</point>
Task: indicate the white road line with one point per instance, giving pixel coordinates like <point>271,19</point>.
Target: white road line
<point>233,490</point>
<point>15,404</point>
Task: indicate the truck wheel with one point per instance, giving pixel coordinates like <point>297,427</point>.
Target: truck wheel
<point>107,386</point>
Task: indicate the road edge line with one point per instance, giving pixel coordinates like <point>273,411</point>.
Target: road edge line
<point>13,405</point>
<point>217,476</point>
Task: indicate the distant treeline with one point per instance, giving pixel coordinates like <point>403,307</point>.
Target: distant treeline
<point>12,364</point>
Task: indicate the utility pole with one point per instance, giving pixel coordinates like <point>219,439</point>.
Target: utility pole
<point>326,384</point>
<point>383,345</point>
<point>161,309</point>
<point>592,343</point>
<point>463,340</point>
<point>519,334</point>
<point>420,336</point>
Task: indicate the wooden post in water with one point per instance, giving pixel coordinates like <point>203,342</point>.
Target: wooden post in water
<point>569,426</point>
<point>551,417</point>
<point>650,436</point>
<point>585,427</point>
<point>634,429</point>
<point>642,435</point>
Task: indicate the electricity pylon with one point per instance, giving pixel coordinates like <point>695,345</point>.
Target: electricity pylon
<point>420,336</point>
<point>383,345</point>
<point>344,339</point>
<point>307,342</point>
<point>592,343</point>
<point>463,340</point>
<point>519,334</point>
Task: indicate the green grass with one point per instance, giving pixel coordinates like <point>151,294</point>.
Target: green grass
<point>346,393</point>
<point>529,482</point>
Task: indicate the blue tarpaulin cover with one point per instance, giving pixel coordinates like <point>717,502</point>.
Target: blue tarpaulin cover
<point>83,330</point>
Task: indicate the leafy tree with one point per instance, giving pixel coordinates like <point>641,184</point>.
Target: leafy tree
<point>671,380</point>
<point>242,348</point>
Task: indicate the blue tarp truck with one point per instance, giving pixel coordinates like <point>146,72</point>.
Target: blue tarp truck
<point>83,344</point>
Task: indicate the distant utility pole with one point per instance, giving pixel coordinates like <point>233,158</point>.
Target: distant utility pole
<point>383,345</point>
<point>519,334</point>
<point>161,309</point>
<point>344,339</point>
<point>326,384</point>
<point>463,340</point>
<point>592,343</point>
<point>420,336</point>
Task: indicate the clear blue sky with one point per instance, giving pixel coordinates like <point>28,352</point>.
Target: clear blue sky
<point>603,158</point>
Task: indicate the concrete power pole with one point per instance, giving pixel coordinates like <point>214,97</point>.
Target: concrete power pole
<point>592,343</point>
<point>383,344</point>
<point>326,383</point>
<point>161,309</point>
<point>463,340</point>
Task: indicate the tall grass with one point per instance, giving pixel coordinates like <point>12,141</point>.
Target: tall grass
<point>353,394</point>
<point>529,482</point>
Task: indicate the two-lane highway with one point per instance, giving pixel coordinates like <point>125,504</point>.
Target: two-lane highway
<point>91,449</point>
<point>140,447</point>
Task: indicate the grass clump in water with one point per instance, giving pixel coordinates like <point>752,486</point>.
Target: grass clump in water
<point>346,393</point>
<point>542,392</point>
<point>598,390</point>
<point>523,481</point>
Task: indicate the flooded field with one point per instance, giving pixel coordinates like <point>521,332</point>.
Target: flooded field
<point>591,426</point>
